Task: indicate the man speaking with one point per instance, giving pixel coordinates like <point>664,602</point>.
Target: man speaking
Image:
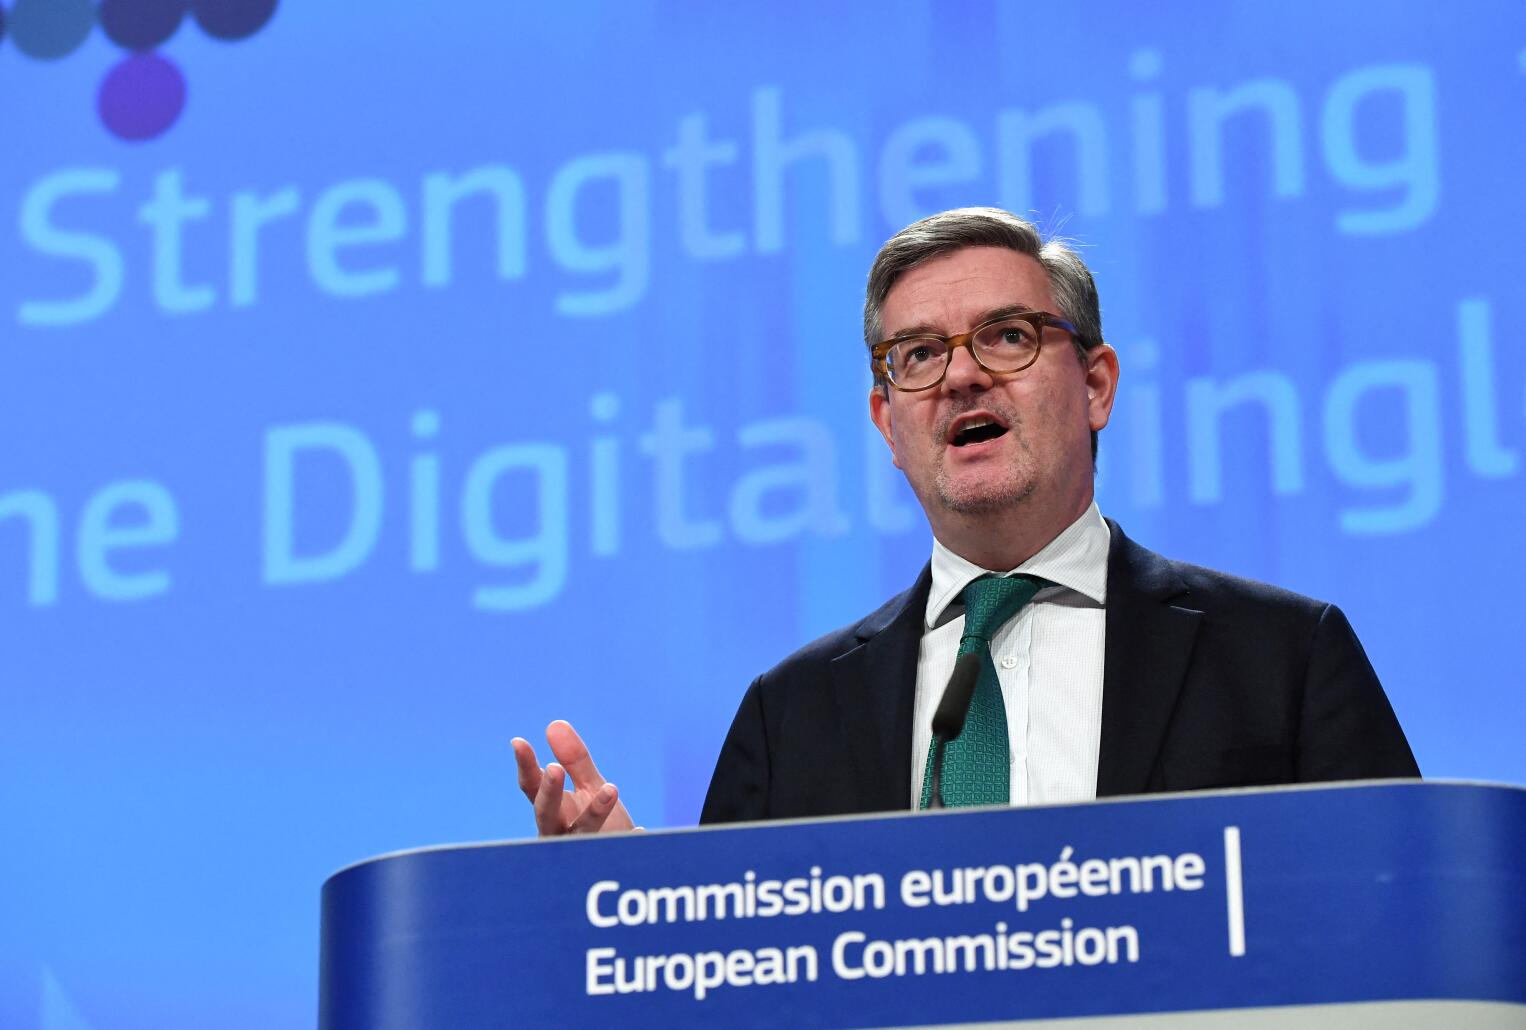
<point>1104,668</point>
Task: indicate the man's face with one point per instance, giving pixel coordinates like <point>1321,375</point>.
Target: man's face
<point>1038,458</point>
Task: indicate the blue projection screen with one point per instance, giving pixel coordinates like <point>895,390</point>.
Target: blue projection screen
<point>381,381</point>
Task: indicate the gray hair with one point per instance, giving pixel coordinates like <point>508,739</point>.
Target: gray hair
<point>1071,283</point>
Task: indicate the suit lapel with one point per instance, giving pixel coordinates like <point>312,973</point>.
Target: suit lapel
<point>875,688</point>
<point>1149,644</point>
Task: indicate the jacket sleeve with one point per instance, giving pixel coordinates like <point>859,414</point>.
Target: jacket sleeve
<point>1347,728</point>
<point>739,787</point>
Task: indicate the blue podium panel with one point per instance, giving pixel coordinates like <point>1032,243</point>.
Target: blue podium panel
<point>1336,905</point>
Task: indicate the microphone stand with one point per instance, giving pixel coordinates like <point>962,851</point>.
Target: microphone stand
<point>948,720</point>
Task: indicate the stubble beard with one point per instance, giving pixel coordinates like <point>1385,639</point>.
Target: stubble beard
<point>984,498</point>
<point>1009,488</point>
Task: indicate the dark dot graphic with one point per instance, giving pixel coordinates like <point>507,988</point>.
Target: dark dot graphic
<point>141,24</point>
<point>141,97</point>
<point>232,19</point>
<point>2,24</point>
<point>48,29</point>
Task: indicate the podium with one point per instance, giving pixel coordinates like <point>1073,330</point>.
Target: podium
<point>1391,904</point>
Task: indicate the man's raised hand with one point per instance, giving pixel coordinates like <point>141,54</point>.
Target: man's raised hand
<point>592,806</point>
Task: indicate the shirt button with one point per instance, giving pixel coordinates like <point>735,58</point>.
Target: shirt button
<point>1008,662</point>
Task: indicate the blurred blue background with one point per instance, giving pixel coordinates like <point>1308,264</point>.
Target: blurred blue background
<point>378,382</point>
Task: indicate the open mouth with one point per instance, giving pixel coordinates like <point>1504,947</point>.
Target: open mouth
<point>977,430</point>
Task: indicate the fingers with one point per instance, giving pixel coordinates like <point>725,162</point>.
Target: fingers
<point>594,807</point>
<point>548,803</point>
<point>529,768</point>
<point>573,755</point>
<point>591,819</point>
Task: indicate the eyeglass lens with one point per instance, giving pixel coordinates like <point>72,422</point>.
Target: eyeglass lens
<point>1005,346</point>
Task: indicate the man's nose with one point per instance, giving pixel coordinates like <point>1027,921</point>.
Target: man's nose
<point>965,374</point>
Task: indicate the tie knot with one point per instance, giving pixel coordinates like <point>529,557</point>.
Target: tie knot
<point>990,601</point>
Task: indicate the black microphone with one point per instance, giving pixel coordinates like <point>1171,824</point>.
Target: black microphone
<point>948,720</point>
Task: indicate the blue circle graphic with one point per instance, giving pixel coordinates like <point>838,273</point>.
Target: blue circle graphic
<point>232,19</point>
<point>141,24</point>
<point>50,29</point>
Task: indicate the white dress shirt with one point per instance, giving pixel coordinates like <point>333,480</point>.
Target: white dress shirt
<point>1048,658</point>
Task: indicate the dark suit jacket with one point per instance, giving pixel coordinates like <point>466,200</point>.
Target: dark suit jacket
<point>1208,681</point>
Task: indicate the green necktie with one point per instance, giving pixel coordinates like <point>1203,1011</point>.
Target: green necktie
<point>976,764</point>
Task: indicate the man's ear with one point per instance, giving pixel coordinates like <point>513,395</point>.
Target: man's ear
<point>1101,384</point>
<point>879,413</point>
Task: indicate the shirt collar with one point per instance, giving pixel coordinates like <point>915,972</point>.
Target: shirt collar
<point>1075,560</point>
